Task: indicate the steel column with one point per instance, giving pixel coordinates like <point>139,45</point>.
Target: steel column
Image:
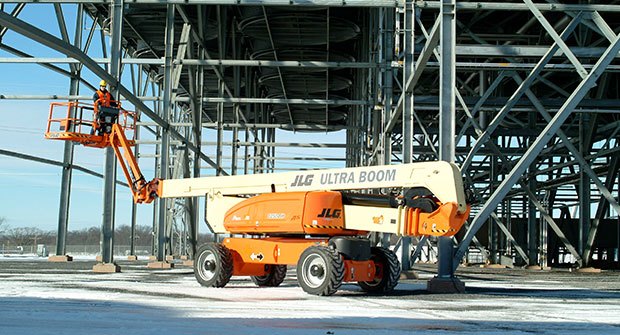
<point>67,170</point>
<point>583,187</point>
<point>165,137</point>
<point>109,187</point>
<point>447,117</point>
<point>408,120</point>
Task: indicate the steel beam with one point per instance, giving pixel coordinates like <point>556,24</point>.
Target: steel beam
<point>67,172</point>
<point>583,163</point>
<point>544,213</point>
<point>525,85</point>
<point>408,119</point>
<point>336,102</point>
<point>51,41</point>
<point>558,40</point>
<point>447,118</point>
<point>509,236</point>
<point>303,3</point>
<point>461,50</point>
<point>502,6</point>
<point>432,40</point>
<point>196,85</point>
<point>610,179</point>
<point>546,135</point>
<point>464,6</point>
<point>167,106</point>
<point>109,187</point>
<point>55,163</point>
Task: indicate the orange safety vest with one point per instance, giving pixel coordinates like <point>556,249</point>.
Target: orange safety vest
<point>104,98</point>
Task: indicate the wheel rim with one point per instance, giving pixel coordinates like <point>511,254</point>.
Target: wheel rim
<point>207,265</point>
<point>314,270</point>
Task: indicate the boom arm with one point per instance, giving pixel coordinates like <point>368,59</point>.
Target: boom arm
<point>443,179</point>
<point>142,191</point>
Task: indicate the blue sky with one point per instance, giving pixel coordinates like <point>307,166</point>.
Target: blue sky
<point>30,191</point>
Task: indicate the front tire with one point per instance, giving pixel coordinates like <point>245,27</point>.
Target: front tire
<point>213,266</point>
<point>320,270</point>
<point>387,269</point>
<point>274,277</point>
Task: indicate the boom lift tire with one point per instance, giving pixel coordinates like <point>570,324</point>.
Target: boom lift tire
<point>387,269</point>
<point>320,270</point>
<point>213,266</point>
<point>274,277</point>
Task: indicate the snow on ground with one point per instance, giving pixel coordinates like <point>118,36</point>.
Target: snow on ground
<point>37,297</point>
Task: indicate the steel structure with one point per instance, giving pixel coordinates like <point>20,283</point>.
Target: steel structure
<point>523,95</point>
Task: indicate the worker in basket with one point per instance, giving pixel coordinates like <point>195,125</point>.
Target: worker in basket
<point>106,110</point>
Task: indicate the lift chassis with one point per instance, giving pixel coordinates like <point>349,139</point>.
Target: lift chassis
<point>318,221</point>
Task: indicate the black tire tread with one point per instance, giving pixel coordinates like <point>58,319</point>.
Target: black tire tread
<point>225,265</point>
<point>274,278</point>
<point>337,270</point>
<point>335,266</point>
<point>391,267</point>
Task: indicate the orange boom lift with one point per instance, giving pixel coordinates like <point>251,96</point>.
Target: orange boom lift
<point>312,219</point>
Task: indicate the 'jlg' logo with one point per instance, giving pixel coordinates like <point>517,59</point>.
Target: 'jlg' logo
<point>301,181</point>
<point>330,213</point>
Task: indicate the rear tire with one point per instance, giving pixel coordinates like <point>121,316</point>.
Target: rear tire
<point>320,270</point>
<point>387,269</point>
<point>274,277</point>
<point>213,266</point>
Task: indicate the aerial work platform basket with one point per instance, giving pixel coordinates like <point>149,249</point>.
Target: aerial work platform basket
<point>100,127</point>
<point>88,124</point>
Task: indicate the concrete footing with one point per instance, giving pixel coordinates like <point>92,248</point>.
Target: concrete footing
<point>169,258</point>
<point>106,268</point>
<point>183,257</point>
<point>160,265</point>
<point>537,267</point>
<point>409,274</point>
<point>132,258</point>
<point>60,258</point>
<point>188,262</point>
<point>152,258</point>
<point>445,285</point>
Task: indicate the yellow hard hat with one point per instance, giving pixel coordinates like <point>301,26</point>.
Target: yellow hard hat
<point>103,83</point>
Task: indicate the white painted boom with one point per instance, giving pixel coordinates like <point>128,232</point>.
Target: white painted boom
<point>443,179</point>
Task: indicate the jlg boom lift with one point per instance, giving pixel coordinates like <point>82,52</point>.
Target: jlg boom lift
<point>309,219</point>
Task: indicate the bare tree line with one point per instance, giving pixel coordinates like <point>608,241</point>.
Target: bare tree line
<point>11,238</point>
<point>27,238</point>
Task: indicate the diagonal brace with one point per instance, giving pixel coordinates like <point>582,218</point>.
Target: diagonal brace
<point>550,130</point>
<point>59,45</point>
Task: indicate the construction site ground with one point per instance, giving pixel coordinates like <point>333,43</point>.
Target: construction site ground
<point>39,297</point>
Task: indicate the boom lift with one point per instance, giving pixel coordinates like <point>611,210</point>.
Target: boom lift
<point>310,219</point>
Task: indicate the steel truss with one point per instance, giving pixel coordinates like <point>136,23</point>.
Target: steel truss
<point>523,95</point>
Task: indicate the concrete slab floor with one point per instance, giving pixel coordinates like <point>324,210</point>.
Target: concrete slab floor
<point>41,297</point>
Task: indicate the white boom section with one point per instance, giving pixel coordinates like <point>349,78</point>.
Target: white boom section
<point>443,179</point>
